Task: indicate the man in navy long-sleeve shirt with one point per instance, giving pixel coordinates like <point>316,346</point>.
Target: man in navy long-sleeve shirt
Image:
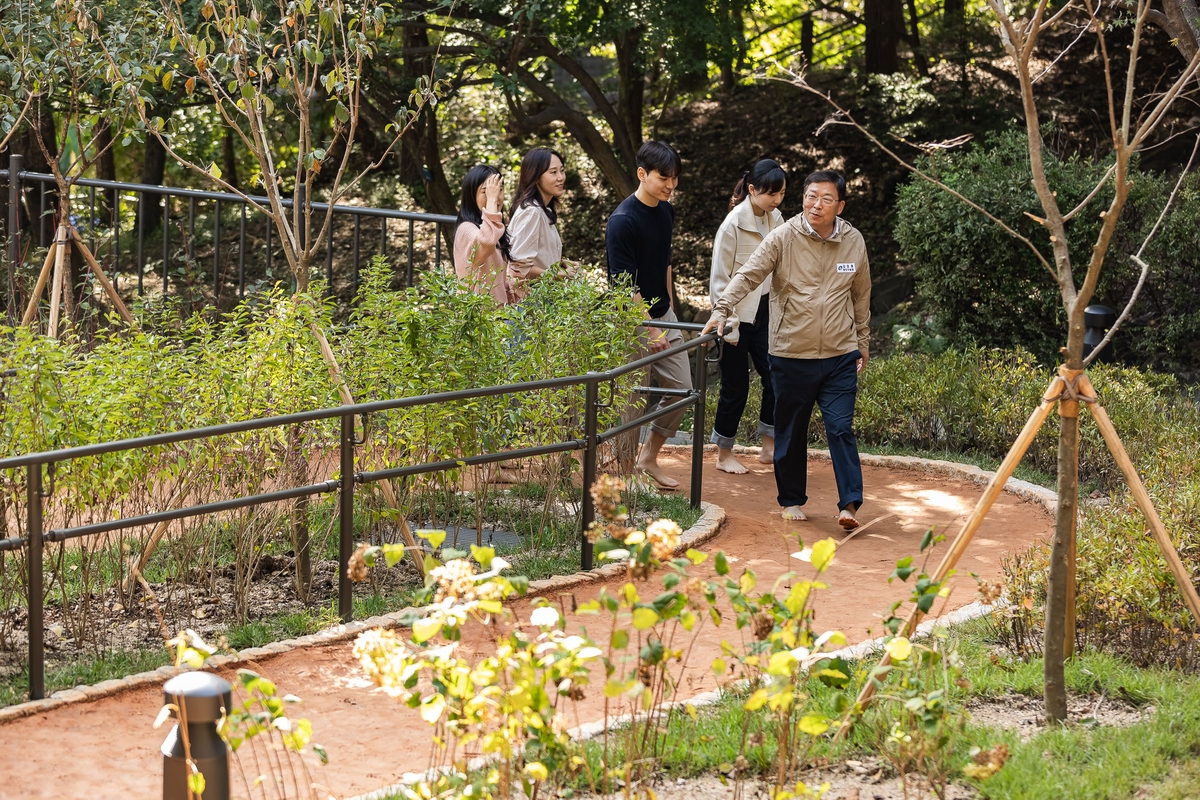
<point>638,238</point>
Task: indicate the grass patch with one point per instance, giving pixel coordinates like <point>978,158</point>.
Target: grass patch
<point>87,670</point>
<point>1157,757</point>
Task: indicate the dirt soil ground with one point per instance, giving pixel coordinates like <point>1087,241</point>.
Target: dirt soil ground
<point>109,749</point>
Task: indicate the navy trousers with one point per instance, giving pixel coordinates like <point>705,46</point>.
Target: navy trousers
<point>832,385</point>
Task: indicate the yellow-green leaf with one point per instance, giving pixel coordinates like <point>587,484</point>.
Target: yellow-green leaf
<point>644,618</point>
<point>757,700</point>
<point>695,556</point>
<point>822,554</point>
<point>424,629</point>
<point>431,711</point>
<point>781,663</point>
<point>214,170</point>
<point>899,648</point>
<point>196,783</point>
<point>813,726</point>
<point>167,79</point>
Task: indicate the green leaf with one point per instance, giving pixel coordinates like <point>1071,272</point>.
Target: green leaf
<point>721,564</point>
<point>196,783</point>
<point>341,112</point>
<point>695,556</point>
<point>425,629</point>
<point>620,639</point>
<point>927,539</point>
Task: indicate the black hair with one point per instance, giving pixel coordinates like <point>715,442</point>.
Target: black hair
<point>659,156</point>
<point>827,176</point>
<point>534,165</point>
<point>469,210</point>
<point>765,176</point>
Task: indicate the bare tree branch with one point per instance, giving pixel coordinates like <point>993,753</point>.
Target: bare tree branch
<point>797,79</point>
<point>1137,258</point>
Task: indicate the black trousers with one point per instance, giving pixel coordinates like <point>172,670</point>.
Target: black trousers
<point>735,380</point>
<point>832,385</point>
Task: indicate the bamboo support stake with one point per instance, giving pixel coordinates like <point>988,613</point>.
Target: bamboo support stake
<point>959,545</point>
<point>98,271</point>
<point>1142,497</point>
<point>36,296</point>
<point>56,282</point>
<point>389,493</point>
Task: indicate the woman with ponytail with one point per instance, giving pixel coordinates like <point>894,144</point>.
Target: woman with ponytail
<point>753,213</point>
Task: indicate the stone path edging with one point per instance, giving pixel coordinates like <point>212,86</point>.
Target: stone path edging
<point>706,528</point>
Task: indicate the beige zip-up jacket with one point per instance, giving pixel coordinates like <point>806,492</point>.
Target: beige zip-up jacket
<point>736,240</point>
<point>820,290</point>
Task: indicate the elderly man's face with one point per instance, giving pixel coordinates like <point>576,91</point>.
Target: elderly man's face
<point>822,206</point>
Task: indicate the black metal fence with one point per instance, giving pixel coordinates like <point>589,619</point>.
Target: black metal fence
<point>588,441</point>
<point>204,221</point>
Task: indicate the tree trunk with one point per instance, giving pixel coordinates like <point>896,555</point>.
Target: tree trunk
<point>631,84</point>
<point>154,166</point>
<point>884,22</point>
<point>1054,642</point>
<point>914,39</point>
<point>953,13</point>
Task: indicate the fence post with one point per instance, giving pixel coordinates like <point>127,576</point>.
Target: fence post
<point>591,396</point>
<point>346,519</point>
<point>16,165</point>
<point>202,699</point>
<point>37,653</point>
<point>699,424</point>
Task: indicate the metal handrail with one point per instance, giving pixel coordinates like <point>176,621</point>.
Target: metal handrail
<point>37,537</point>
<point>231,197</point>
<point>226,270</point>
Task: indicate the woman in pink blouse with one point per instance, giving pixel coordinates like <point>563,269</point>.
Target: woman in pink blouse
<point>481,248</point>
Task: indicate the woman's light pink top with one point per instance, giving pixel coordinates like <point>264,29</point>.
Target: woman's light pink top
<point>478,261</point>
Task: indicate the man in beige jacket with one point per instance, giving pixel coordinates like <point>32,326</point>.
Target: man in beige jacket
<point>819,334</point>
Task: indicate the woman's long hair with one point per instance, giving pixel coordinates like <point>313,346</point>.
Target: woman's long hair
<point>765,176</point>
<point>469,210</point>
<point>534,165</point>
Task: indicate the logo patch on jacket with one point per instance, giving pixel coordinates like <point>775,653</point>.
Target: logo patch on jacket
<point>847,267</point>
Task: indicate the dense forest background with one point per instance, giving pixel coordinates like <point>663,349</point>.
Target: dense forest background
<point>595,78</point>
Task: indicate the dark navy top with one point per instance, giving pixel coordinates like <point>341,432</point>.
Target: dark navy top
<point>638,239</point>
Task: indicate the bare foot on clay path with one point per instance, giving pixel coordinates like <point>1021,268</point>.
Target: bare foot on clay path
<point>727,462</point>
<point>657,474</point>
<point>766,454</point>
<point>794,513</point>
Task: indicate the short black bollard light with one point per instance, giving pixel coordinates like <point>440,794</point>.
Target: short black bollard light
<point>202,697</point>
<point>1098,320</point>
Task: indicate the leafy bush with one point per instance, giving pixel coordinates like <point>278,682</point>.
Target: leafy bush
<point>986,286</point>
<point>260,360</point>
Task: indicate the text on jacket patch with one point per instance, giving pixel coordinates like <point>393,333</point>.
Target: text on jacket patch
<point>846,268</point>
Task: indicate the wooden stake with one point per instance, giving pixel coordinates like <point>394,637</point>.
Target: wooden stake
<point>98,271</point>
<point>1142,497</point>
<point>36,296</point>
<point>60,252</point>
<point>959,545</point>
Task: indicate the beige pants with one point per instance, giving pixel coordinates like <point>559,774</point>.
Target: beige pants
<point>673,372</point>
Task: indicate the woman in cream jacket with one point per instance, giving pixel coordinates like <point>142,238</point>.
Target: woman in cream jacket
<point>753,213</point>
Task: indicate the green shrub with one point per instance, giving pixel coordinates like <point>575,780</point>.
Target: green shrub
<point>987,287</point>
